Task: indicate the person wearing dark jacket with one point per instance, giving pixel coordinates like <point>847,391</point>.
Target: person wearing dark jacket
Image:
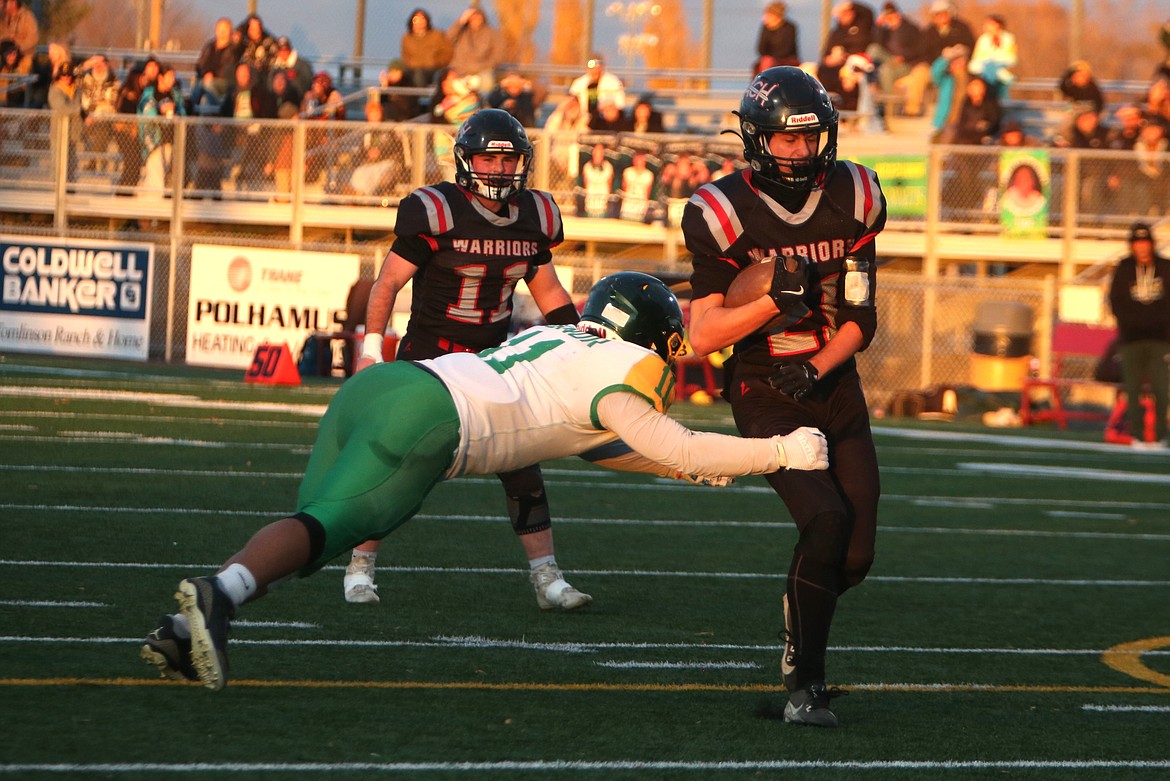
<point>1139,296</point>
<point>777,41</point>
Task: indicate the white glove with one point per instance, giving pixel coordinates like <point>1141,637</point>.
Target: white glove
<point>804,448</point>
<point>721,481</point>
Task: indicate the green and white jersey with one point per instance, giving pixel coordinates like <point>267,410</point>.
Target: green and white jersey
<point>535,397</point>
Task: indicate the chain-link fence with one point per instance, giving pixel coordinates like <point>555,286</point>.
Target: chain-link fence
<point>326,185</point>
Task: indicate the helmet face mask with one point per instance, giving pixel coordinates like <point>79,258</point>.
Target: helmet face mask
<point>495,132</point>
<point>787,100</point>
<point>639,309</point>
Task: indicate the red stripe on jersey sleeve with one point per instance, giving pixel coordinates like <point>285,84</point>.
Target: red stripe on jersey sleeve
<point>720,214</point>
<point>866,239</point>
<point>431,241</point>
<point>439,205</point>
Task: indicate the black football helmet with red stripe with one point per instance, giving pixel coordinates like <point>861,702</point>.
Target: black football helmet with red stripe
<point>488,131</point>
<point>785,99</point>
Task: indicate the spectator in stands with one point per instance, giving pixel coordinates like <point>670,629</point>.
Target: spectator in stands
<point>897,52</point>
<point>1129,128</point>
<point>1163,69</point>
<point>255,46</point>
<point>249,98</point>
<point>283,92</point>
<point>64,101</point>
<point>424,50</point>
<point>1157,106</point>
<point>163,100</point>
<point>837,73</point>
<point>945,31</point>
<point>1086,132</point>
<point>46,68</point>
<point>454,100</point>
<point>852,28</point>
<point>644,118</point>
<point>214,69</point>
<point>1079,87</point>
<point>10,95</point>
<point>637,189</point>
<point>565,123</point>
<point>777,41</point>
<point>1151,187</point>
<point>323,101</point>
<point>1139,295</point>
<point>288,61</point>
<point>397,106</point>
<point>1012,135</point>
<point>597,179</point>
<point>476,49</point>
<point>608,119</point>
<point>19,25</point>
<point>949,74</point>
<point>378,162</point>
<point>979,115</point>
<point>597,84</point>
<point>126,136</point>
<point>98,88</point>
<point>995,55</point>
<point>514,94</point>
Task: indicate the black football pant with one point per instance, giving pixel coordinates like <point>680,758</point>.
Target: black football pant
<point>835,510</point>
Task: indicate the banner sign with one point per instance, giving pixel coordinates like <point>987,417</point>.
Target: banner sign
<point>903,179</point>
<point>76,297</point>
<point>242,296</point>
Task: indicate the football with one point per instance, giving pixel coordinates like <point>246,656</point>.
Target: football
<point>755,281</point>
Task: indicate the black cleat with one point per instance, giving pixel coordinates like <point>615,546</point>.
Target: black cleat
<point>209,612</point>
<point>169,653</point>
<point>810,706</point>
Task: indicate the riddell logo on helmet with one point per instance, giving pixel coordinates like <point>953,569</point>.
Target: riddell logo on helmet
<point>798,120</point>
<point>499,144</point>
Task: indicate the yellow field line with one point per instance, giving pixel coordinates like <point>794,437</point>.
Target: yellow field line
<point>589,687</point>
<point>1126,658</point>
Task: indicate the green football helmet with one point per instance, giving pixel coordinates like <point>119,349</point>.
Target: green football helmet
<point>640,309</point>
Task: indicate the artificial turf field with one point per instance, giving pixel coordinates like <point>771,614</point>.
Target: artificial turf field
<point>1016,622</point>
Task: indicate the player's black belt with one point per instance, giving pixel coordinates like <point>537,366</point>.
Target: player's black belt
<point>418,348</point>
<point>447,346</point>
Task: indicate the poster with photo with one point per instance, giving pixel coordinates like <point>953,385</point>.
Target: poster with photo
<point>1023,192</point>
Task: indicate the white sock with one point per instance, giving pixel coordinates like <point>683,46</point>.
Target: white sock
<point>238,583</point>
<point>540,561</point>
<point>180,626</point>
<point>364,554</point>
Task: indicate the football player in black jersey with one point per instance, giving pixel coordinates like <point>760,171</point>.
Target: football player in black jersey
<point>466,245</point>
<point>797,200</point>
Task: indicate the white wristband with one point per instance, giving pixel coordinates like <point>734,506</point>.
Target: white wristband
<point>372,347</point>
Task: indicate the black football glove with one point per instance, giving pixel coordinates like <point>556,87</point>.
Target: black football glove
<point>789,278</point>
<point>794,379</point>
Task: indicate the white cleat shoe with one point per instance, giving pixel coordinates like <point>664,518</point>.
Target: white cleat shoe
<point>553,591</point>
<point>359,581</point>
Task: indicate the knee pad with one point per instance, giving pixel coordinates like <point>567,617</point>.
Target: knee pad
<point>527,501</point>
